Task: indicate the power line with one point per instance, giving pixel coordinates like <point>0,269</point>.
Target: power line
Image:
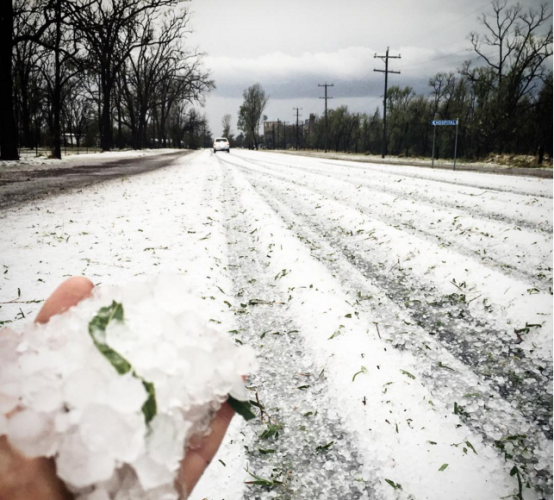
<point>372,101</point>
<point>380,97</point>
<point>428,33</point>
<point>421,63</point>
<point>426,61</point>
<point>326,119</point>
<point>441,28</point>
<point>385,58</point>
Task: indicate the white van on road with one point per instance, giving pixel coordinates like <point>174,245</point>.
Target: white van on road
<point>222,144</point>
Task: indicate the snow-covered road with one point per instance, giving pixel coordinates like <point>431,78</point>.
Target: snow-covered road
<point>402,316</point>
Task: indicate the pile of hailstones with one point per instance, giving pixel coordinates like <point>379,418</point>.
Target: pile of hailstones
<point>116,387</point>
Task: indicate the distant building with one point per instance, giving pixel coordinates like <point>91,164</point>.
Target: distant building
<point>269,126</point>
<point>69,139</point>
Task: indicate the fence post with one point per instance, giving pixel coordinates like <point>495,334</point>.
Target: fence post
<point>433,153</point>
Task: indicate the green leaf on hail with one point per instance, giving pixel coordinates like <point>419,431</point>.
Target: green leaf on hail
<point>243,408</point>
<point>97,330</point>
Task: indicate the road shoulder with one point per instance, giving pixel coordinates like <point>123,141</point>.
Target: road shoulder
<point>485,168</point>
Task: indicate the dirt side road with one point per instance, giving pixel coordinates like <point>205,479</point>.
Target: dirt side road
<point>21,186</point>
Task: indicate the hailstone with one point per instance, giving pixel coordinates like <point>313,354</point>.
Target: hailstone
<point>115,388</point>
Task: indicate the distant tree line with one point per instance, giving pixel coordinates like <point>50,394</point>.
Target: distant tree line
<point>101,73</point>
<point>503,105</point>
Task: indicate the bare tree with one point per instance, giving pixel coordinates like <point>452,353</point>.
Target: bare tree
<point>22,22</point>
<point>77,112</point>
<point>250,112</point>
<point>177,124</point>
<point>29,25</point>
<point>509,83</point>
<point>186,81</point>
<point>144,70</point>
<point>443,87</point>
<point>196,128</point>
<point>157,75</point>
<point>543,120</point>
<point>521,48</point>
<point>26,59</point>
<point>29,30</point>
<point>226,125</point>
<point>60,67</point>
<point>499,35</point>
<point>109,32</point>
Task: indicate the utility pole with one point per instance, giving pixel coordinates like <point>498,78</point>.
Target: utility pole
<point>326,120</point>
<point>297,111</point>
<point>278,132</point>
<point>284,136</point>
<point>456,143</point>
<point>273,142</point>
<point>386,58</point>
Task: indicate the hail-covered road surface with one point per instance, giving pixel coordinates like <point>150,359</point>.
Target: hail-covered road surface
<point>402,316</point>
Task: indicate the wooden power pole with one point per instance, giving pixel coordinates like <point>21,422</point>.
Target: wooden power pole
<point>297,115</point>
<point>326,119</point>
<point>386,58</point>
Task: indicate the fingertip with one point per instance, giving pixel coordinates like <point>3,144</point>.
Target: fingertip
<point>78,284</point>
<point>67,295</point>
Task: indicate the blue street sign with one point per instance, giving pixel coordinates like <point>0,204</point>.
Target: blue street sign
<point>444,122</point>
<point>436,123</point>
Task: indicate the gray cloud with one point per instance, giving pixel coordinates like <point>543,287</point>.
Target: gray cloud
<point>291,46</point>
<point>285,76</point>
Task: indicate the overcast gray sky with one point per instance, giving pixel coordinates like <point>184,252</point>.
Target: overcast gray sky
<point>289,46</point>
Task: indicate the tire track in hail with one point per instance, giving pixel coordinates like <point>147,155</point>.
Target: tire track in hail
<point>445,181</point>
<point>486,352</point>
<point>496,416</point>
<point>376,169</point>
<point>492,351</point>
<point>290,387</point>
<point>487,261</point>
<point>430,201</point>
